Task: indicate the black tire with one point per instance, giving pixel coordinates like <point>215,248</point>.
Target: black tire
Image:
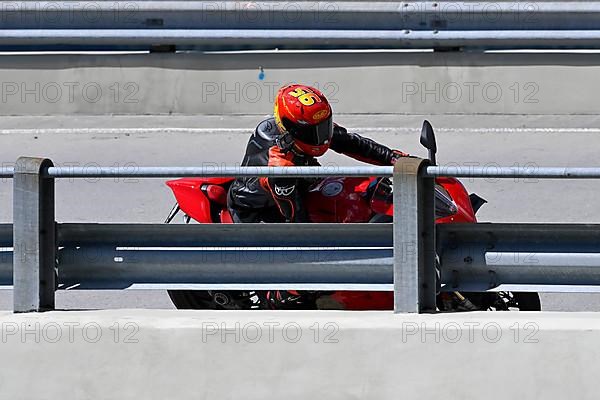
<point>217,300</point>
<point>193,300</point>
<point>505,301</point>
<point>528,301</point>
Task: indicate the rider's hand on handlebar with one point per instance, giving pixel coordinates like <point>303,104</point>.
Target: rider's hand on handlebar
<point>397,155</point>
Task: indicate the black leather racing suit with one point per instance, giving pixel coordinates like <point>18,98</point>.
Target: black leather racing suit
<point>280,199</point>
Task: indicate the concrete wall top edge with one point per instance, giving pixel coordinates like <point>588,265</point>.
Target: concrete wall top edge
<point>361,320</point>
<point>284,60</point>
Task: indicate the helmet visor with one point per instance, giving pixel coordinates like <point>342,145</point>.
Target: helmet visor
<point>315,135</point>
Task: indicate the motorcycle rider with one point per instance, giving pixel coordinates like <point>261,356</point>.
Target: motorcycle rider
<point>300,130</point>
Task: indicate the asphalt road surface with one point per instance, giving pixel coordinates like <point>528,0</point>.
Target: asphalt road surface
<point>130,141</point>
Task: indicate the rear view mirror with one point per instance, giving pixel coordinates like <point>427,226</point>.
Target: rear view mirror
<point>428,140</point>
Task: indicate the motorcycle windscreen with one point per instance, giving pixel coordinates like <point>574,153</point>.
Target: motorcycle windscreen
<point>382,197</point>
<point>382,200</point>
<point>444,205</point>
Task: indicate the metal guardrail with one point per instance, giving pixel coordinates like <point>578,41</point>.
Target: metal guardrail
<point>228,25</point>
<point>224,235</point>
<point>356,257</point>
<point>513,172</point>
<point>314,172</point>
<point>228,255</point>
<point>7,172</point>
<point>478,257</point>
<point>472,257</point>
<point>318,15</point>
<point>255,39</point>
<point>215,171</point>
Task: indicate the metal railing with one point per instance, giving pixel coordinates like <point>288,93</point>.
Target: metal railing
<point>267,25</point>
<point>403,255</point>
<point>6,172</point>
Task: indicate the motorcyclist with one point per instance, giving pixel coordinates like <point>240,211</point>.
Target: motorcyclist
<point>300,130</point>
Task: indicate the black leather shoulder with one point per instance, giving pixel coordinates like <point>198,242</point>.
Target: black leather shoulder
<point>338,129</point>
<point>263,138</point>
<point>267,130</point>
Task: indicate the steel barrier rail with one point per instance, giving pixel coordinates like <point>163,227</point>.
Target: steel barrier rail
<point>316,253</point>
<point>465,15</point>
<point>6,235</point>
<point>481,256</point>
<point>6,172</point>
<point>532,172</point>
<point>473,257</point>
<point>222,235</point>
<point>263,24</point>
<point>35,236</point>
<point>6,254</point>
<point>215,171</point>
<point>257,39</point>
<point>413,261</point>
<point>322,256</point>
<point>326,269</point>
<point>423,24</point>
<point>325,171</point>
<point>343,15</point>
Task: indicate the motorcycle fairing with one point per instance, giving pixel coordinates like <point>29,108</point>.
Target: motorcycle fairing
<point>192,200</point>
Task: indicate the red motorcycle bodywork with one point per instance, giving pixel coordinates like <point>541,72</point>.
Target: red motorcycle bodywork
<point>196,202</point>
<point>338,200</point>
<point>461,199</point>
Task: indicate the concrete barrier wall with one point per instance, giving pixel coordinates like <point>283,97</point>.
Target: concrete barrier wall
<point>145,354</point>
<point>371,82</point>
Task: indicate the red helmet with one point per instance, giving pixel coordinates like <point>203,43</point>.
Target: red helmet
<point>305,114</point>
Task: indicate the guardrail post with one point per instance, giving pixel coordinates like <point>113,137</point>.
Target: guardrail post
<point>34,236</point>
<point>414,238</point>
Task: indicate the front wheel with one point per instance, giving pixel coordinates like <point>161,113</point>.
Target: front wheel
<point>506,301</point>
<point>217,300</point>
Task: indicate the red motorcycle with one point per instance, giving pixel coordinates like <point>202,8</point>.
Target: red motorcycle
<point>338,200</point>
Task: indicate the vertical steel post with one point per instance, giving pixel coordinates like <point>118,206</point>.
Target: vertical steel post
<point>414,238</point>
<point>33,236</point>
